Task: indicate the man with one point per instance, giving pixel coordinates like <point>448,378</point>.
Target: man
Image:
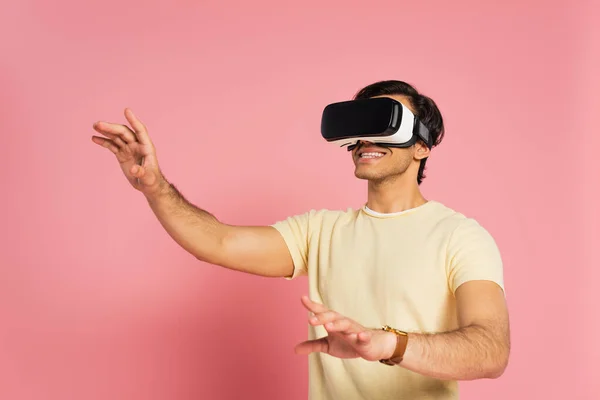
<point>406,296</point>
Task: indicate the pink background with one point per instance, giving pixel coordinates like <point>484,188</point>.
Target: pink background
<point>97,302</point>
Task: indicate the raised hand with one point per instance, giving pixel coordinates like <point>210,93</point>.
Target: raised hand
<point>134,151</point>
<point>346,338</point>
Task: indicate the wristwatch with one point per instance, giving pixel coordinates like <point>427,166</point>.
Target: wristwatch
<point>402,341</point>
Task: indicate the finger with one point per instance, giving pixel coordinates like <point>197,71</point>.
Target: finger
<point>119,143</point>
<point>312,306</point>
<point>105,143</point>
<point>112,130</point>
<point>343,325</point>
<point>312,346</point>
<point>323,318</point>
<point>137,125</point>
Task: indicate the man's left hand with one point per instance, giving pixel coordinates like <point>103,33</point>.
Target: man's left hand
<point>346,338</point>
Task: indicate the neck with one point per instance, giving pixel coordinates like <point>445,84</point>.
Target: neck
<point>394,195</point>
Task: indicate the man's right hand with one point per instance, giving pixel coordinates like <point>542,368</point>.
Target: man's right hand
<point>135,152</point>
<point>258,250</point>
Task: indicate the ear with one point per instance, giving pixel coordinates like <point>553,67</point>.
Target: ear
<point>421,151</point>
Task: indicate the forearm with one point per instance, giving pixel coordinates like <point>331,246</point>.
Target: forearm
<point>469,353</point>
<point>196,230</point>
<point>258,250</point>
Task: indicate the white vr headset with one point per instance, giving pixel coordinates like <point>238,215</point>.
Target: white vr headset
<point>380,120</point>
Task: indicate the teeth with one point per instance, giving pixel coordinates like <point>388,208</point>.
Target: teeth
<point>371,155</point>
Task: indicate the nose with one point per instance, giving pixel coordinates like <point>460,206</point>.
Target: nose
<point>361,143</point>
<point>357,145</point>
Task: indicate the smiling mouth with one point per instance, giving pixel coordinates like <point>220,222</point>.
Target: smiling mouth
<point>373,154</point>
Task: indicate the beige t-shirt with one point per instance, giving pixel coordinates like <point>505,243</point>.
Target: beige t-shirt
<point>387,269</point>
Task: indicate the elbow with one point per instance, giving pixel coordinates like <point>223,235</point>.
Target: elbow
<point>495,373</point>
<point>214,250</point>
<point>497,368</point>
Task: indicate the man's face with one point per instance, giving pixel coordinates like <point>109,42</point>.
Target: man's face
<point>377,163</point>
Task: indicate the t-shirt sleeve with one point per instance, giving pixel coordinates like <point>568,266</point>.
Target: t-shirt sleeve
<point>296,233</point>
<point>473,255</point>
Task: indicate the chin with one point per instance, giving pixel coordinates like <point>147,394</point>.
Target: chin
<point>378,176</point>
<point>367,175</point>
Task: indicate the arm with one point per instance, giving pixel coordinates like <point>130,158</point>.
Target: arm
<point>256,250</point>
<point>478,349</point>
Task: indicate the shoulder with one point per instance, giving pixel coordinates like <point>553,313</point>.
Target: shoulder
<point>328,217</point>
<point>453,220</point>
<point>336,214</point>
<point>466,237</point>
<point>318,217</point>
<point>460,230</point>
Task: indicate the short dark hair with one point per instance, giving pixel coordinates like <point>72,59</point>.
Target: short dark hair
<point>424,107</point>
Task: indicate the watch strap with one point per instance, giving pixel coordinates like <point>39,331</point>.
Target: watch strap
<point>401,343</point>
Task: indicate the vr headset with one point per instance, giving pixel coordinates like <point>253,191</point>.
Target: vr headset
<point>381,120</point>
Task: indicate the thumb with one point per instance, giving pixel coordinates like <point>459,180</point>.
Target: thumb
<point>364,337</point>
<point>144,176</point>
